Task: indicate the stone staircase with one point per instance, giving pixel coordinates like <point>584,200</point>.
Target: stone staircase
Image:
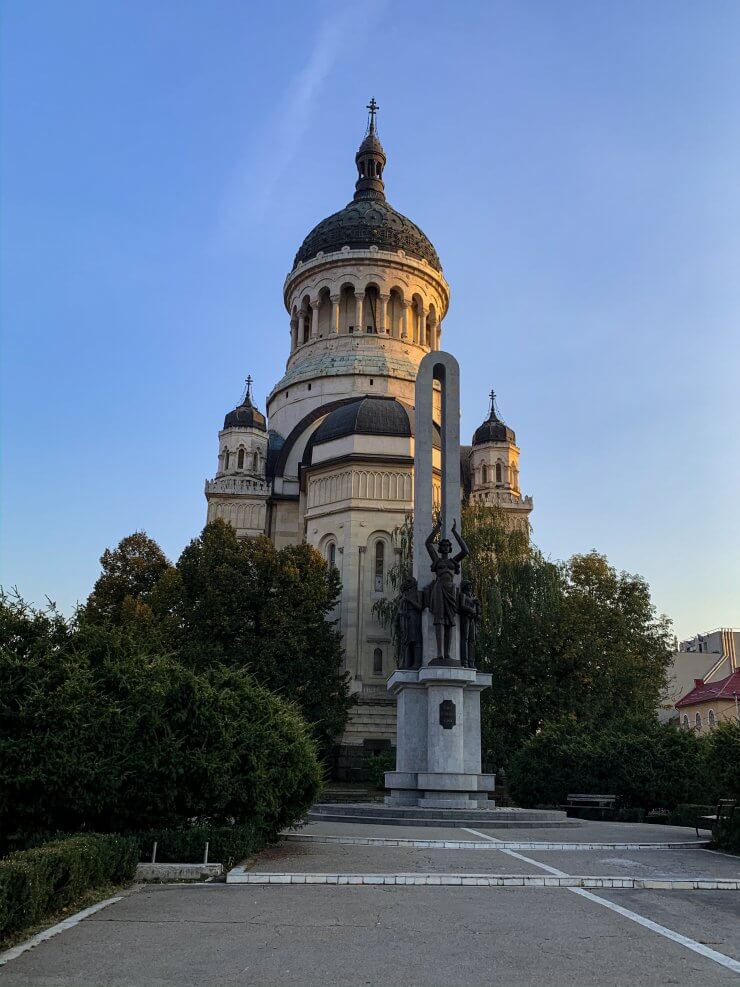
<point>494,818</point>
<point>371,719</point>
<point>348,793</point>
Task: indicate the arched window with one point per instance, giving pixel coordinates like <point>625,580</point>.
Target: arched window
<point>227,457</point>
<point>378,661</point>
<point>379,566</point>
<point>685,722</point>
<point>331,554</point>
<point>484,473</point>
<point>371,308</point>
<point>240,460</point>
<point>697,721</point>
<point>498,473</point>
<point>255,462</point>
<point>711,719</point>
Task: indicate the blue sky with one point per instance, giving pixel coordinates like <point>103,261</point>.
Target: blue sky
<point>575,163</point>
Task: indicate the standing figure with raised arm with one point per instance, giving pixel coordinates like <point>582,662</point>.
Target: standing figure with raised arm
<point>442,598</point>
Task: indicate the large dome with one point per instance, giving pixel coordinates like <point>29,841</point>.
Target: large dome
<point>365,223</point>
<point>369,220</point>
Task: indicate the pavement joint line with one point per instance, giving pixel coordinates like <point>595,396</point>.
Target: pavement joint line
<point>555,879</point>
<point>67,923</point>
<point>490,839</point>
<point>647,923</point>
<point>491,844</point>
<point>519,856</point>
<point>692,944</point>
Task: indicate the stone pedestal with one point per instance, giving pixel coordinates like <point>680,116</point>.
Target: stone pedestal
<point>438,759</point>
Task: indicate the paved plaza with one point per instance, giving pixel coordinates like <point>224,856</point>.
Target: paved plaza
<point>327,934</point>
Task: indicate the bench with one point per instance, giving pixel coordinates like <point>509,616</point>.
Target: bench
<point>602,805</point>
<point>725,810</point>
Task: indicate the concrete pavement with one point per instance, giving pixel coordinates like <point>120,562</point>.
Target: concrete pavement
<point>220,934</point>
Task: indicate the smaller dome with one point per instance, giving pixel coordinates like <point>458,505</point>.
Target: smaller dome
<point>367,416</point>
<point>493,429</point>
<point>246,415</point>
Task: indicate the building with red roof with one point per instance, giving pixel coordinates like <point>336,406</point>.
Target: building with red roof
<point>709,703</point>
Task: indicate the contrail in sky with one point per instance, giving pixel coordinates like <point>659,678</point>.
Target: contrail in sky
<point>250,192</point>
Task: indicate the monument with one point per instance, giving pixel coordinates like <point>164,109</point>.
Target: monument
<point>437,687</point>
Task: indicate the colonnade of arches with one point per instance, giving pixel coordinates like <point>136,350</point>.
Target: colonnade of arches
<point>368,310</point>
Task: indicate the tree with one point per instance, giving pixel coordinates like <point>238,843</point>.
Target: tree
<point>560,638</point>
<point>615,648</point>
<point>723,760</point>
<point>570,638</point>
<point>250,606</point>
<point>131,573</point>
<point>99,733</point>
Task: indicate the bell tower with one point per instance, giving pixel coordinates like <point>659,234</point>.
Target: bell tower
<point>494,469</point>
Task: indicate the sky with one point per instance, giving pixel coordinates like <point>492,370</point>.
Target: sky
<point>575,164</point>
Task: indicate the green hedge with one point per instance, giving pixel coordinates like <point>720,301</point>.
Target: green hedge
<point>647,765</point>
<point>227,844</point>
<point>726,835</point>
<point>686,814</point>
<point>35,883</point>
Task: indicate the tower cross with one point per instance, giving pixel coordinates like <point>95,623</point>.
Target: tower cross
<point>373,107</point>
<point>248,382</point>
<point>492,409</point>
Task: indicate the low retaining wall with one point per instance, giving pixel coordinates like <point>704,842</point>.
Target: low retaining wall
<point>178,872</point>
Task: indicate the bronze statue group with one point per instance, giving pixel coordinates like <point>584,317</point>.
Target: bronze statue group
<point>445,604</point>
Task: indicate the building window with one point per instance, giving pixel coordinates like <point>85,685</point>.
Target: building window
<point>498,472</point>
<point>255,462</point>
<point>240,460</point>
<point>377,662</point>
<point>379,566</point>
<point>484,472</point>
<point>685,722</point>
<point>697,721</point>
<point>227,457</point>
<point>331,555</point>
<point>711,719</point>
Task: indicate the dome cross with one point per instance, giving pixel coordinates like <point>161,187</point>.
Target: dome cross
<point>373,107</point>
<point>248,392</point>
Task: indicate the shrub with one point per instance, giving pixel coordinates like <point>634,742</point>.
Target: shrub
<point>723,760</point>
<point>377,767</point>
<point>34,883</point>
<point>687,813</point>
<point>226,844</point>
<point>111,738</point>
<point>726,834</point>
<point>643,763</point>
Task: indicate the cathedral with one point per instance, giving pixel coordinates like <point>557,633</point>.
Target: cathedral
<point>331,462</point>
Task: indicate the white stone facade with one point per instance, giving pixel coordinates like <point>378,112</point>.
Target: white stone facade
<point>359,321</point>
